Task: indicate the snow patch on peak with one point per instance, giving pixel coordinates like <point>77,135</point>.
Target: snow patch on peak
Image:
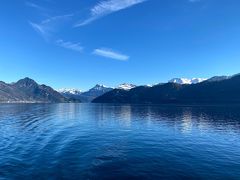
<point>99,87</point>
<point>187,81</point>
<point>126,86</point>
<point>180,81</point>
<point>70,91</point>
<point>197,80</point>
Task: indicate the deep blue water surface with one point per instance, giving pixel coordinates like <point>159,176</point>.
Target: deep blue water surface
<point>94,141</point>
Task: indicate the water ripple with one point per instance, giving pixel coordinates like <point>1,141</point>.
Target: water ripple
<point>97,141</point>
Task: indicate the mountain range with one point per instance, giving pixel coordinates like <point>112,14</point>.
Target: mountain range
<point>91,94</point>
<point>218,89</point>
<point>99,90</point>
<point>221,89</point>
<point>86,96</point>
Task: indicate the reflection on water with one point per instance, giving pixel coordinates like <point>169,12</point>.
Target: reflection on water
<point>97,141</point>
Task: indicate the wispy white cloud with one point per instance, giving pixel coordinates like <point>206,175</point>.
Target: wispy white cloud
<point>34,5</point>
<point>109,53</point>
<point>56,18</point>
<point>39,28</point>
<point>69,45</point>
<point>49,25</point>
<point>107,7</point>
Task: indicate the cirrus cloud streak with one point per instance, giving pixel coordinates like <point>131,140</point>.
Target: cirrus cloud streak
<point>109,53</point>
<point>107,7</point>
<point>69,45</point>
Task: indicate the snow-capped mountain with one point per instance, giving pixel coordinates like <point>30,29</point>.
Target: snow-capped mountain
<point>126,86</point>
<point>86,96</point>
<point>72,91</point>
<point>187,81</point>
<point>99,87</point>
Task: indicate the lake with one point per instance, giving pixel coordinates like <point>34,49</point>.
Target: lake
<point>104,141</point>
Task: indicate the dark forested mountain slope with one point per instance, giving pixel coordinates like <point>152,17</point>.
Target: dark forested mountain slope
<point>222,91</point>
<point>27,90</point>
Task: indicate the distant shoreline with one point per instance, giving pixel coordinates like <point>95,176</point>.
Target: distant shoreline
<point>133,104</point>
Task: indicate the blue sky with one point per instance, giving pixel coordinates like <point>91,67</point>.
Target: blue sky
<point>72,43</point>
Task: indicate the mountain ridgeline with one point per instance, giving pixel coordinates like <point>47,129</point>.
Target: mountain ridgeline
<point>216,90</point>
<point>86,96</point>
<point>28,91</point>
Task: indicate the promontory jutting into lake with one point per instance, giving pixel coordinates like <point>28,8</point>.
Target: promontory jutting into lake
<point>120,89</point>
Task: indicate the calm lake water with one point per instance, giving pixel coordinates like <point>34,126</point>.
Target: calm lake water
<point>97,141</point>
